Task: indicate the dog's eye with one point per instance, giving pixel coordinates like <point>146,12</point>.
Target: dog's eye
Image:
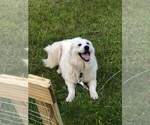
<point>87,43</point>
<point>79,44</point>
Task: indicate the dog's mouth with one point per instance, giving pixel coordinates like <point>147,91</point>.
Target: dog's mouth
<point>85,56</point>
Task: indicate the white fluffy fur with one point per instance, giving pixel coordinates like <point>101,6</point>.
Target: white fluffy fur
<point>65,54</point>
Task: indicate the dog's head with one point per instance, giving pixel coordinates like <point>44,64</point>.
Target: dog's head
<point>83,48</point>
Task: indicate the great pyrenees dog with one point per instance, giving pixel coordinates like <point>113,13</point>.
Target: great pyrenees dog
<point>76,62</point>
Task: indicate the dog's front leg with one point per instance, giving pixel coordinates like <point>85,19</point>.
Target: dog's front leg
<point>92,89</point>
<point>71,92</point>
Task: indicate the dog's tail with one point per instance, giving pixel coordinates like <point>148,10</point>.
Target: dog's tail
<point>54,52</point>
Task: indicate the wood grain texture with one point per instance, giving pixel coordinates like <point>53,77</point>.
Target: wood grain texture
<point>41,90</point>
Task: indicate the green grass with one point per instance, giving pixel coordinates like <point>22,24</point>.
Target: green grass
<point>98,21</point>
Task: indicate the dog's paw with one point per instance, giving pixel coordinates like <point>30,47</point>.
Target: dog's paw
<point>46,63</point>
<point>47,48</point>
<point>58,71</point>
<point>94,95</point>
<point>69,98</point>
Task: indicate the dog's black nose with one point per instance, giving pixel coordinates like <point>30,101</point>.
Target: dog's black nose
<point>86,48</point>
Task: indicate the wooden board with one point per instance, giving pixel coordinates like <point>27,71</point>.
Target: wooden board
<point>41,90</point>
<point>13,100</point>
<point>14,88</point>
<point>18,89</point>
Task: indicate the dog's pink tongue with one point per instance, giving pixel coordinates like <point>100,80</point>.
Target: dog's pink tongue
<point>86,56</point>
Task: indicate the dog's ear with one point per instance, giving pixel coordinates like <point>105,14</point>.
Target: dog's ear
<point>74,57</point>
<point>93,49</point>
<point>93,57</point>
<point>54,52</point>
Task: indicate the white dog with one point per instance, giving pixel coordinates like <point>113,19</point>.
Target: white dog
<point>77,62</point>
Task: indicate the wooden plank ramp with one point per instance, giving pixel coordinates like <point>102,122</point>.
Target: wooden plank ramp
<point>13,100</point>
<point>43,110</point>
<point>41,90</point>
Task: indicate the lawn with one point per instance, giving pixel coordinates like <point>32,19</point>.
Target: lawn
<point>98,21</point>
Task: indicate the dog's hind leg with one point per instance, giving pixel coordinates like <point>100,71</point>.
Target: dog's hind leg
<point>59,70</point>
<point>45,62</point>
<point>83,85</point>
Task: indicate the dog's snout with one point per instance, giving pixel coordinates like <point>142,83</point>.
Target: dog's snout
<point>86,48</point>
